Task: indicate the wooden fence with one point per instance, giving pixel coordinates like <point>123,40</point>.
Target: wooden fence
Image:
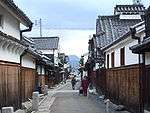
<point>121,85</point>
<point>101,81</point>
<point>147,87</point>
<point>9,85</point>
<point>27,83</point>
<point>16,84</point>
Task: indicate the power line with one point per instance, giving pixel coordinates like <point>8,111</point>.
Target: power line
<point>64,28</point>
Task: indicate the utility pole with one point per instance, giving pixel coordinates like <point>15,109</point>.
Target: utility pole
<point>38,23</point>
<point>40,27</point>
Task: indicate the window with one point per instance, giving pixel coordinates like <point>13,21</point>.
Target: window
<point>108,61</point>
<point>1,20</point>
<point>112,59</point>
<point>122,56</point>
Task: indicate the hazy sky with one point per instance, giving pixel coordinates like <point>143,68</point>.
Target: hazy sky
<point>78,16</point>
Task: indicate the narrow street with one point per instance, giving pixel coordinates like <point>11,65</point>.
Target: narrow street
<point>65,100</point>
<point>105,45</point>
<point>69,101</point>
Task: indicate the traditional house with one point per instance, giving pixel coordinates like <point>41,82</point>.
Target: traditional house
<point>142,48</point>
<point>119,70</point>
<point>29,81</point>
<point>11,48</point>
<point>49,48</point>
<point>64,65</point>
<point>92,64</point>
<point>42,66</point>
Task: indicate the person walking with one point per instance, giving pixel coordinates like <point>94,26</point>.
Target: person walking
<point>73,82</point>
<point>85,84</point>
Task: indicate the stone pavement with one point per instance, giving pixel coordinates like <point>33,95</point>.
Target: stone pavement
<point>45,104</point>
<point>66,100</point>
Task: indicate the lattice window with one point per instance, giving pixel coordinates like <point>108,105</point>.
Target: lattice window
<point>108,61</point>
<point>1,20</point>
<point>122,56</point>
<point>112,59</point>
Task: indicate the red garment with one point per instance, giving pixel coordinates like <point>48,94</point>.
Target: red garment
<point>85,84</point>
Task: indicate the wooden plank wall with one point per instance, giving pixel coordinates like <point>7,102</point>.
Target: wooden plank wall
<point>123,86</point>
<point>9,85</point>
<point>49,81</point>
<point>147,87</point>
<point>27,83</point>
<point>101,81</point>
<point>42,80</point>
<point>92,76</point>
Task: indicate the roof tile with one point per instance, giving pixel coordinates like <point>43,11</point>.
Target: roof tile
<point>46,43</point>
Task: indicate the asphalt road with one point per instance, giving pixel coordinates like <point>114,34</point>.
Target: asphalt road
<point>69,101</point>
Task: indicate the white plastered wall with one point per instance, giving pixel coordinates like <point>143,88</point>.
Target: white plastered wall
<point>52,52</point>
<point>130,58</point>
<point>43,70</point>
<point>147,58</point>
<point>40,70</point>
<point>11,25</point>
<point>28,61</point>
<point>6,55</point>
<point>47,51</point>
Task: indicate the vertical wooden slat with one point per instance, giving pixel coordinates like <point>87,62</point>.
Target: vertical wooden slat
<point>123,86</point>
<point>147,87</point>
<point>28,82</point>
<point>9,91</point>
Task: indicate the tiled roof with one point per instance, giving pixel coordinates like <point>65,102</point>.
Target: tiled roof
<point>147,22</point>
<point>19,13</point>
<point>112,28</point>
<point>134,9</point>
<point>28,41</point>
<point>46,43</point>
<point>36,53</point>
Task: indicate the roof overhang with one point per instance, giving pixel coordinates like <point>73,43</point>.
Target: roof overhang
<point>141,48</point>
<point>126,35</point>
<point>16,12</point>
<point>12,44</point>
<point>33,53</point>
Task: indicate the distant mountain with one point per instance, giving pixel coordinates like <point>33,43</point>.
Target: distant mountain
<point>74,62</point>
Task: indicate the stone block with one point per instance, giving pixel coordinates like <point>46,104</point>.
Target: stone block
<point>46,90</point>
<point>7,110</point>
<point>35,101</point>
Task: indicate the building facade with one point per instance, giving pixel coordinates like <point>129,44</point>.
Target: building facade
<point>49,47</point>
<point>116,70</point>
<point>10,51</point>
<point>142,49</point>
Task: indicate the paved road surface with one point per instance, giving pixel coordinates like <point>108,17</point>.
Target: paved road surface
<point>66,100</point>
<point>69,101</point>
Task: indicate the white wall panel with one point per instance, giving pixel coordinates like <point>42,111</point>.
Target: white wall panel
<point>6,55</point>
<point>11,25</point>
<point>28,61</point>
<point>130,58</point>
<point>147,58</point>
